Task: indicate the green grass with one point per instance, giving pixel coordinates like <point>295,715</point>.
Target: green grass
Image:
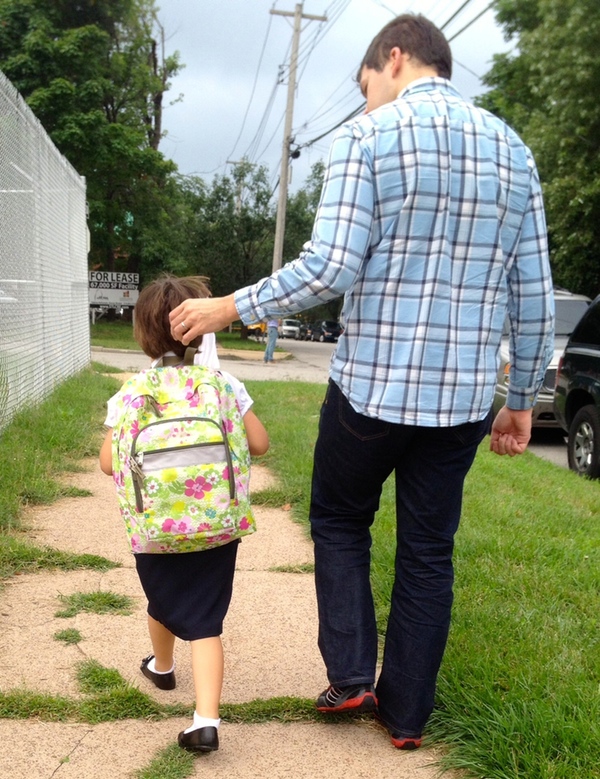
<point>100,602</point>
<point>68,636</point>
<point>170,763</point>
<point>40,445</point>
<point>49,439</point>
<point>113,335</point>
<point>518,690</point>
<point>18,557</point>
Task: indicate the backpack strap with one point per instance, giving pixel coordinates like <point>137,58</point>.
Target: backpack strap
<point>172,360</point>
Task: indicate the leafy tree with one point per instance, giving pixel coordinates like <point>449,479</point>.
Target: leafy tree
<point>95,74</point>
<point>300,213</point>
<point>233,227</point>
<point>548,91</point>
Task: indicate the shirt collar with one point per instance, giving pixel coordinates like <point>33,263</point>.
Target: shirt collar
<point>427,84</point>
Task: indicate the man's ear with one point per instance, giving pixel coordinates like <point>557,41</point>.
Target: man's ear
<point>396,59</point>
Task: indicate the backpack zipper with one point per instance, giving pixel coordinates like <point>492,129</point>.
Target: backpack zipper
<point>136,459</point>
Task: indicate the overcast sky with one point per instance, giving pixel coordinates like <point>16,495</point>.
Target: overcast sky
<point>232,104</point>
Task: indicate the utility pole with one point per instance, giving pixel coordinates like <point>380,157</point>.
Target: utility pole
<point>287,132</point>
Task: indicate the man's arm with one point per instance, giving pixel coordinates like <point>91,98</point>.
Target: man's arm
<point>531,311</point>
<point>324,270</point>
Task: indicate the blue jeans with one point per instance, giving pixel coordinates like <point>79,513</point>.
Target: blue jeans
<point>271,341</point>
<point>354,455</point>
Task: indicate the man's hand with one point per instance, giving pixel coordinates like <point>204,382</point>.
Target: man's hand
<point>197,316</point>
<point>511,431</point>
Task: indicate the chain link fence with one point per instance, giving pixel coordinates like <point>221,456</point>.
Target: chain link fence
<point>44,330</point>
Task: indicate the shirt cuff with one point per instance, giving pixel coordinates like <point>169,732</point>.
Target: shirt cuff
<point>248,308</point>
<point>520,398</point>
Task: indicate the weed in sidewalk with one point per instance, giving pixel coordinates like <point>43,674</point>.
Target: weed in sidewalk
<point>100,602</point>
<point>68,636</point>
<point>170,763</point>
<point>18,557</point>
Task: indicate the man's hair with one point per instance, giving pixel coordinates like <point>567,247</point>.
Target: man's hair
<point>415,35</point>
<point>152,330</point>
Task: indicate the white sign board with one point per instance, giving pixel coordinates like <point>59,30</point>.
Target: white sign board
<point>113,290</point>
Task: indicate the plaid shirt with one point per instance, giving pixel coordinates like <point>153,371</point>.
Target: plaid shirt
<point>431,223</point>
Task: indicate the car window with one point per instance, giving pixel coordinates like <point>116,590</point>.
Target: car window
<point>568,314</point>
<point>588,329</point>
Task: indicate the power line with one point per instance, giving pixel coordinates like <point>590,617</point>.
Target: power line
<point>456,13</point>
<point>466,27</point>
<point>253,88</point>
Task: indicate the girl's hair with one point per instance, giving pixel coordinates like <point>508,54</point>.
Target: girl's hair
<point>415,35</point>
<point>157,299</point>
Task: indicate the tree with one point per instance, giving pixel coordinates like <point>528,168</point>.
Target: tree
<point>95,73</point>
<point>233,227</point>
<point>548,91</point>
<point>301,211</point>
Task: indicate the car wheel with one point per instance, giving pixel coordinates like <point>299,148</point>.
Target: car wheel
<point>322,338</point>
<point>584,443</point>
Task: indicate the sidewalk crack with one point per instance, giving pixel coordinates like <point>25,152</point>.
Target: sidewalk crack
<point>67,758</point>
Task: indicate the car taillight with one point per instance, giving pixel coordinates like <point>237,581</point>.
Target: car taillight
<point>558,370</point>
<point>507,373</point>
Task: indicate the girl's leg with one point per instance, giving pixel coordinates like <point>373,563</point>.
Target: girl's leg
<point>163,643</point>
<point>207,669</point>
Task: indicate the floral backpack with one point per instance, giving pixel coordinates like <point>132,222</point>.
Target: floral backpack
<point>180,461</point>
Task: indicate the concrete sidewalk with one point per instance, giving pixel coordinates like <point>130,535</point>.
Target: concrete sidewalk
<point>270,649</point>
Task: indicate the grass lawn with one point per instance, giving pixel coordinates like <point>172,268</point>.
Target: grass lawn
<point>518,692</point>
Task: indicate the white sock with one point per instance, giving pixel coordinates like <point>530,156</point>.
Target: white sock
<point>152,667</point>
<point>203,722</point>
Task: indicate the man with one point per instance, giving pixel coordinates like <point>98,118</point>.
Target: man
<point>431,224</point>
<point>272,326</point>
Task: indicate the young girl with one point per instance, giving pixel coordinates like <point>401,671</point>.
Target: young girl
<point>188,594</point>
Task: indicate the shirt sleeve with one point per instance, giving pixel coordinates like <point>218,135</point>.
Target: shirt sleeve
<point>331,260</point>
<point>530,305</point>
<point>111,411</point>
<point>240,391</point>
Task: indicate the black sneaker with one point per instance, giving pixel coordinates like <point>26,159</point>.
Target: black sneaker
<point>358,698</point>
<point>162,681</point>
<point>399,741</point>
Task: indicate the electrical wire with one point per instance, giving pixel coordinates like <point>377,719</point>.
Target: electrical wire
<point>237,140</point>
<point>466,27</point>
<point>456,13</point>
<point>253,145</point>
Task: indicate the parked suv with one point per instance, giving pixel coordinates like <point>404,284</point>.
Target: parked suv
<point>577,394</point>
<point>569,310</point>
<point>326,331</point>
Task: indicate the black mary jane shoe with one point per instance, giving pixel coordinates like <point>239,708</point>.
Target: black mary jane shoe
<point>199,740</point>
<point>162,681</point>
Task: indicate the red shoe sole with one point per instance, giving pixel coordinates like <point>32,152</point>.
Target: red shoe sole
<point>406,743</point>
<point>353,704</point>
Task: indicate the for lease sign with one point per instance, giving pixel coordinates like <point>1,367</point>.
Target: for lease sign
<point>112,289</point>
